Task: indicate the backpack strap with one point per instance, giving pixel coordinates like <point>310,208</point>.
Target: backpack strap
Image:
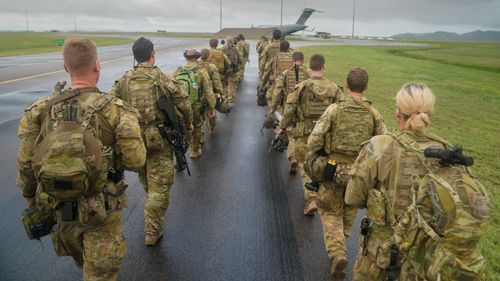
<point>69,95</point>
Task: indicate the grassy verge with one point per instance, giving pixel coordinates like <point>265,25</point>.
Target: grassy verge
<point>467,110</point>
<point>24,43</point>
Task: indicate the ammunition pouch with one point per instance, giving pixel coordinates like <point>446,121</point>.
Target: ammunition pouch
<point>153,139</point>
<point>38,222</point>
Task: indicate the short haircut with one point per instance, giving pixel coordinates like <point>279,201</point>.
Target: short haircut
<point>316,62</point>
<point>213,43</point>
<point>205,54</point>
<point>284,46</point>
<point>277,34</point>
<point>298,56</point>
<point>242,37</point>
<point>142,49</point>
<point>79,55</point>
<point>357,79</point>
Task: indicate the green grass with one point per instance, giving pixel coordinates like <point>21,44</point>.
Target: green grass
<point>24,43</point>
<point>466,81</point>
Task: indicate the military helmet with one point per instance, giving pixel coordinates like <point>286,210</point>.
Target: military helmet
<point>315,167</point>
<point>192,54</point>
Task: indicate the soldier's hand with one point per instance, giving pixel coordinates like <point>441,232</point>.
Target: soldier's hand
<point>210,113</point>
<point>271,109</point>
<point>30,202</point>
<point>282,132</point>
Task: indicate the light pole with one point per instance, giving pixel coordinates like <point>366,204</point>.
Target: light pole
<point>220,13</point>
<point>281,20</point>
<point>27,22</point>
<point>353,17</point>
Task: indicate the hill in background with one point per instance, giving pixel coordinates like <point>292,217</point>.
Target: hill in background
<point>477,35</point>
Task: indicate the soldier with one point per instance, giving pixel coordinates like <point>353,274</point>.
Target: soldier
<point>244,47</point>
<point>261,45</point>
<point>304,105</point>
<point>219,59</point>
<point>284,85</point>
<point>89,225</point>
<point>202,96</point>
<point>267,56</point>
<point>337,135</point>
<point>140,88</point>
<point>282,61</point>
<point>230,82</point>
<point>213,73</point>
<point>411,199</point>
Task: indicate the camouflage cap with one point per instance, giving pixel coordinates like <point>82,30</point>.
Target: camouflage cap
<point>192,54</point>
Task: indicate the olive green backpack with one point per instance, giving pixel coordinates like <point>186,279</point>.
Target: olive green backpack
<point>187,77</point>
<point>439,232</point>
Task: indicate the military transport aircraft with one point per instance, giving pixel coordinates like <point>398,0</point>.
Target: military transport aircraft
<point>298,26</point>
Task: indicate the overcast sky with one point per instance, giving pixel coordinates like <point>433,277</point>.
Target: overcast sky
<point>373,17</point>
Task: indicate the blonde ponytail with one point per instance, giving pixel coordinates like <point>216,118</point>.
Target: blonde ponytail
<point>415,102</point>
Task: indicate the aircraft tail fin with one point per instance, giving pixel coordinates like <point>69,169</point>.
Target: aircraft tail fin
<point>306,13</point>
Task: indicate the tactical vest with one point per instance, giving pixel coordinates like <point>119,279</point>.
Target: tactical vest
<point>142,91</point>
<point>354,125</point>
<point>296,74</point>
<point>274,48</point>
<point>282,62</point>
<point>314,100</point>
<point>217,58</point>
<point>74,149</point>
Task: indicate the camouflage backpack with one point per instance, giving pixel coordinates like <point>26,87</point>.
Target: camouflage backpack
<point>232,53</point>
<point>141,91</point>
<point>187,77</point>
<point>354,125</point>
<point>69,161</point>
<point>283,61</point>
<point>217,58</point>
<point>438,233</point>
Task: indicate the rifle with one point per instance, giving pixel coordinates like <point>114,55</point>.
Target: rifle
<point>173,130</point>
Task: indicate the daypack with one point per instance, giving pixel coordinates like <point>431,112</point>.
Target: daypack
<point>217,58</point>
<point>354,126</point>
<point>141,91</point>
<point>232,53</point>
<point>314,99</point>
<point>188,78</point>
<point>439,231</point>
<point>68,162</point>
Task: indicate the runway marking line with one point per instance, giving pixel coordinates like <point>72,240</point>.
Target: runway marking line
<point>54,72</point>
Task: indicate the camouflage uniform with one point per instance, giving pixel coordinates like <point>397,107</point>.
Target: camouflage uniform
<point>244,48</point>
<point>285,83</point>
<point>213,74</point>
<point>98,247</point>
<point>261,45</point>
<point>383,162</point>
<point>230,80</point>
<point>267,56</point>
<point>158,174</point>
<point>336,126</point>
<point>304,105</point>
<point>199,110</point>
<point>281,63</point>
